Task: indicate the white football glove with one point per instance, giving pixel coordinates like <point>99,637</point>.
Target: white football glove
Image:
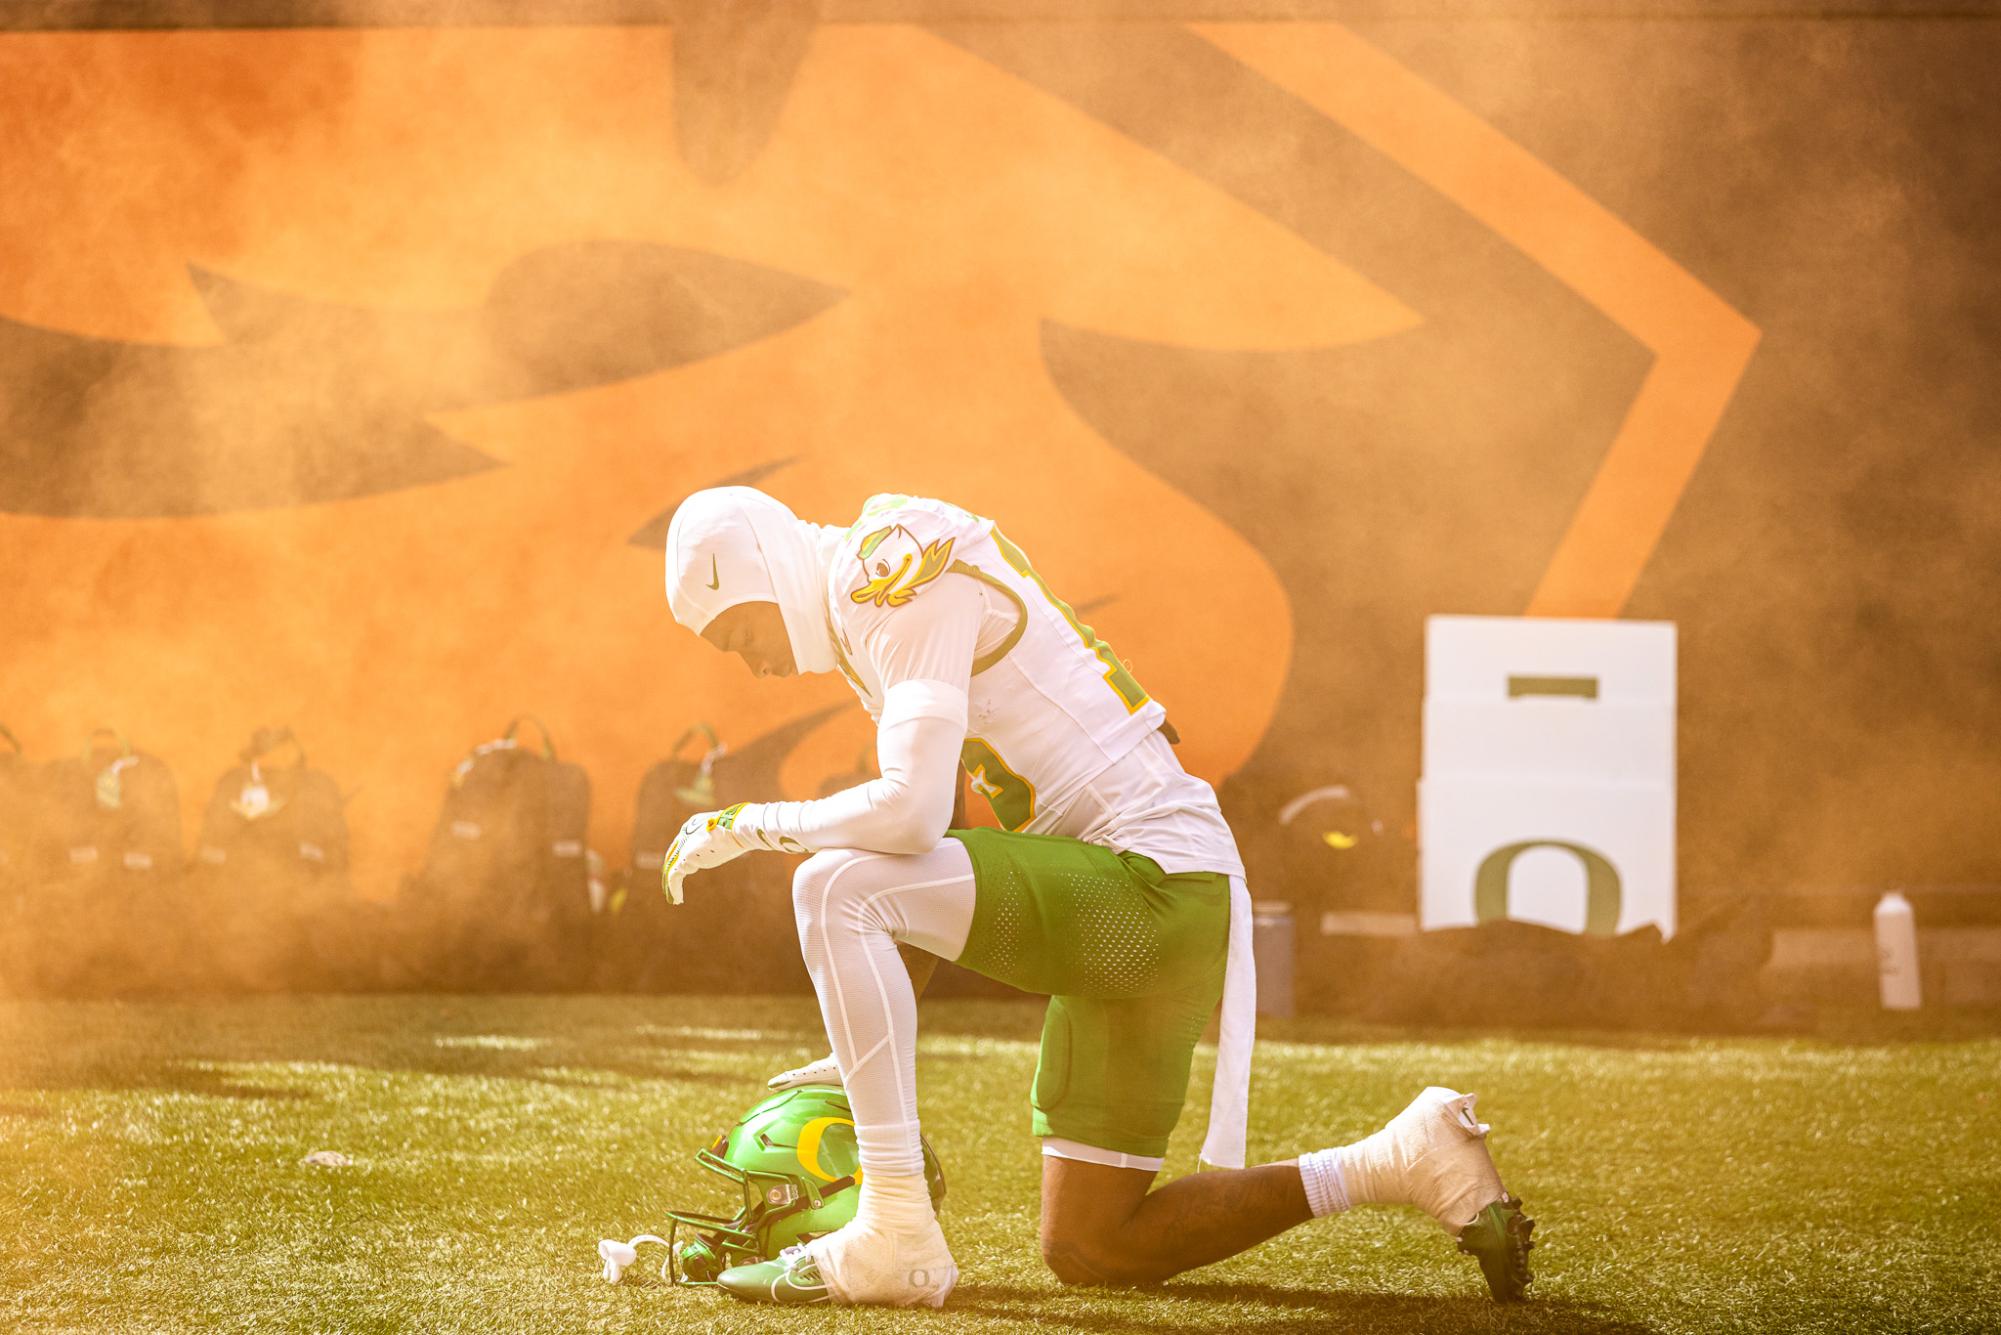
<point>825,1071</point>
<point>707,839</point>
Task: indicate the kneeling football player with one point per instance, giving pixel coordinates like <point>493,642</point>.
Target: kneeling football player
<point>1115,889</point>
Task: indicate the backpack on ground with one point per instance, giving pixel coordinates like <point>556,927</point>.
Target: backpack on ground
<point>503,899</point>
<point>103,911</point>
<point>269,877</point>
<point>734,932</point>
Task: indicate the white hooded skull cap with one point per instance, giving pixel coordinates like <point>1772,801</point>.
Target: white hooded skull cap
<point>730,545</point>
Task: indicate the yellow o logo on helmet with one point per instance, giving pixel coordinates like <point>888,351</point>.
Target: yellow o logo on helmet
<point>810,1136</point>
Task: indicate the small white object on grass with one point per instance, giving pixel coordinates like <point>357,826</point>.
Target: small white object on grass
<point>326,1159</point>
<point>618,1255</point>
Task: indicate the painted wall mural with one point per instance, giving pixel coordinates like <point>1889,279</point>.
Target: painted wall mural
<point>349,374</point>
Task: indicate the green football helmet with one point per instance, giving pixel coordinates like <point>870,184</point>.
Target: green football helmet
<point>794,1160</point>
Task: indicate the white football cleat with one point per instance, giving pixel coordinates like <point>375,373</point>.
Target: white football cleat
<point>853,1266</point>
<point>825,1071</point>
<point>908,1268</point>
<point>1434,1155</point>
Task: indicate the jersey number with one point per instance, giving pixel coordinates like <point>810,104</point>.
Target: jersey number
<point>1012,797</point>
<point>1116,674</point>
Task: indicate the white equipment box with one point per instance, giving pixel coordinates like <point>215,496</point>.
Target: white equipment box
<point>1548,783</point>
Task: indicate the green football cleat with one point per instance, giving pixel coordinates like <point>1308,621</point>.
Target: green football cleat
<point>793,1279</point>
<point>1498,1238</point>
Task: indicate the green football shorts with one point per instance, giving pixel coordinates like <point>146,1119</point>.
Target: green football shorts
<point>1131,960</point>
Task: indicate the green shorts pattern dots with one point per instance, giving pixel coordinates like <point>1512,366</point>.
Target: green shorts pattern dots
<point>1131,959</point>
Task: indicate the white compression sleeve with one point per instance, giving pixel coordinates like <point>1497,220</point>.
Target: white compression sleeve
<point>904,811</point>
<point>923,654</point>
<point>853,907</point>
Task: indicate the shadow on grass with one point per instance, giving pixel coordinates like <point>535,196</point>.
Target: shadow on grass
<point>178,1074</point>
<point>202,1048</point>
<point>163,1074</point>
<point>26,1111</point>
<point>1292,1309</point>
<point>198,1083</point>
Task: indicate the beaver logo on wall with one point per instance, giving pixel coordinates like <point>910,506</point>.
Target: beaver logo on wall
<point>306,401</point>
<point>1183,375</point>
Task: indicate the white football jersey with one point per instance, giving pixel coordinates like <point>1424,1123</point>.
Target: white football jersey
<point>1061,738</point>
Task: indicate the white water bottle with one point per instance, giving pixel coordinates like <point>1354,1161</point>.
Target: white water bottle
<point>1897,952</point>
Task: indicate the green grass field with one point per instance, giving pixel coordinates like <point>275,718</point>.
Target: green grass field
<point>149,1174</point>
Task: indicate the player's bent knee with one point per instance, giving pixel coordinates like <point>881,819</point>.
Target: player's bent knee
<point>1067,1262</point>
<point>825,886</point>
<point>811,881</point>
<point>1079,1263</point>
<point>818,870</point>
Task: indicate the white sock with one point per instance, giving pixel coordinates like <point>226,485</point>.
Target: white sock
<point>1364,1173</point>
<point>1369,1171</point>
<point>892,1148</point>
<point>1326,1185</point>
<point>1432,1155</point>
<point>894,1204</point>
<point>892,1252</point>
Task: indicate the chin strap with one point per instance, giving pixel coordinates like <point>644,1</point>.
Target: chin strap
<point>617,1256</point>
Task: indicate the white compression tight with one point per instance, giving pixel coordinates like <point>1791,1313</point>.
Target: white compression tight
<point>853,907</point>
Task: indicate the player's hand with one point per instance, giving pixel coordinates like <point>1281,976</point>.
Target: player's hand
<point>707,839</point>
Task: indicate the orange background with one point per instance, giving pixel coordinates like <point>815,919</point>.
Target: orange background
<point>1754,242</point>
<point>404,169</point>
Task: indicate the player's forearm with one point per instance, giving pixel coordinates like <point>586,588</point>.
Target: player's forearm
<point>907,810</point>
<point>882,815</point>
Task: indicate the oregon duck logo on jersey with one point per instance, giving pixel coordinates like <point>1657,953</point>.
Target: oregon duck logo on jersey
<point>895,565</point>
